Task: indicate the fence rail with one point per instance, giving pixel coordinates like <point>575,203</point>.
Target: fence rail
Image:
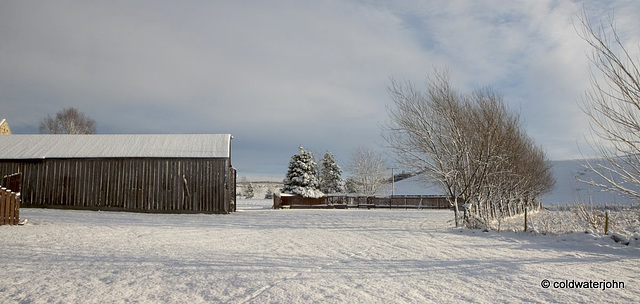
<point>9,207</point>
<point>346,201</point>
<point>12,182</point>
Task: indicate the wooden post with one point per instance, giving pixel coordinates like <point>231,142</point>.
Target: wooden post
<point>17,209</point>
<point>3,204</point>
<point>9,207</point>
<point>526,209</point>
<point>606,222</point>
<point>12,208</point>
<point>6,205</point>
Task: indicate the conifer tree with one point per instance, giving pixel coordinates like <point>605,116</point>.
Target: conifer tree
<point>268,194</point>
<point>249,193</point>
<point>350,185</point>
<point>302,176</point>
<point>330,175</point>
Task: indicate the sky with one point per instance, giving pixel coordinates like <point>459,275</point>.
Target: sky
<point>281,74</point>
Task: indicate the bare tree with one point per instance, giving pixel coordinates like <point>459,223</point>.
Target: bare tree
<point>471,145</point>
<point>613,106</point>
<point>422,132</point>
<point>368,169</point>
<point>68,121</point>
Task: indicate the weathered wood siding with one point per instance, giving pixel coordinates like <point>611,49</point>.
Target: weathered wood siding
<point>130,184</point>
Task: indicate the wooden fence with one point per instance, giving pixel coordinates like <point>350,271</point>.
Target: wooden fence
<point>12,182</point>
<point>346,201</point>
<point>9,207</point>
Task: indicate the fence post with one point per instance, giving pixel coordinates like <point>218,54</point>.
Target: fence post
<point>4,206</point>
<point>9,207</point>
<point>16,219</point>
<point>606,222</point>
<point>12,208</point>
<point>526,209</point>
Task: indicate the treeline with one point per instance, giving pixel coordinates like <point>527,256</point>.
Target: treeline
<point>367,167</point>
<point>469,144</point>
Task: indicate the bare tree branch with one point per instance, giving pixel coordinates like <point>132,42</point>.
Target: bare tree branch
<point>368,169</point>
<point>613,106</point>
<point>471,145</point>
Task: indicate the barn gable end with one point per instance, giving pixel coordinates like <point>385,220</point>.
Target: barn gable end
<point>4,127</point>
<point>177,173</point>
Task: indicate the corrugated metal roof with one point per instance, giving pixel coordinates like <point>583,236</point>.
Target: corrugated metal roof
<point>114,145</point>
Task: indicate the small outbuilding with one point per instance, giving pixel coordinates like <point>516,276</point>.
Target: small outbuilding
<point>173,173</point>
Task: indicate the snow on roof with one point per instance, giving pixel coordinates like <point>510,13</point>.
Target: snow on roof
<point>114,145</point>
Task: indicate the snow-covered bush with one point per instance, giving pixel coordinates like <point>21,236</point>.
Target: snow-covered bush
<point>593,217</point>
<point>302,176</point>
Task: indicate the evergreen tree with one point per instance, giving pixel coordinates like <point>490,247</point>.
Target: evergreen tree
<point>249,193</point>
<point>248,190</point>
<point>268,194</point>
<point>350,185</point>
<point>302,176</point>
<point>330,175</point>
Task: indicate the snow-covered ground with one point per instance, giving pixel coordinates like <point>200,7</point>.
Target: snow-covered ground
<point>257,255</point>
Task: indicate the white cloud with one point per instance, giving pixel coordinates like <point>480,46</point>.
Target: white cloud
<point>311,73</point>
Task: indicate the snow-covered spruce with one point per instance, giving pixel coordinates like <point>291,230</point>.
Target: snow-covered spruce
<point>302,176</point>
<point>331,175</point>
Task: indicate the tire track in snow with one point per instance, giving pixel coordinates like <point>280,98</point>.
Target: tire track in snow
<point>334,224</point>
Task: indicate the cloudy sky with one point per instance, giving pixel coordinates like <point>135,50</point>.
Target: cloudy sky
<point>280,74</point>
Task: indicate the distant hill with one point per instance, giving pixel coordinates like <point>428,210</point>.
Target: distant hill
<point>568,189</point>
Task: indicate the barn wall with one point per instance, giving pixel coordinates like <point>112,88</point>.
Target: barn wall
<point>131,184</point>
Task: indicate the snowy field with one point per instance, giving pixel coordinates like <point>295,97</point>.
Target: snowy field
<point>259,255</point>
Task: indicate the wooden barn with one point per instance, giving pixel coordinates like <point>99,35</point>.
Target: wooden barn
<point>173,173</point>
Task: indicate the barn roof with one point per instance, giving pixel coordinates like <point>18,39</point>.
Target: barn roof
<point>115,145</point>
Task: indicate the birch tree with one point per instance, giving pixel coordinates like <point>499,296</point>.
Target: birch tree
<point>423,133</point>
<point>368,169</point>
<point>613,106</point>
